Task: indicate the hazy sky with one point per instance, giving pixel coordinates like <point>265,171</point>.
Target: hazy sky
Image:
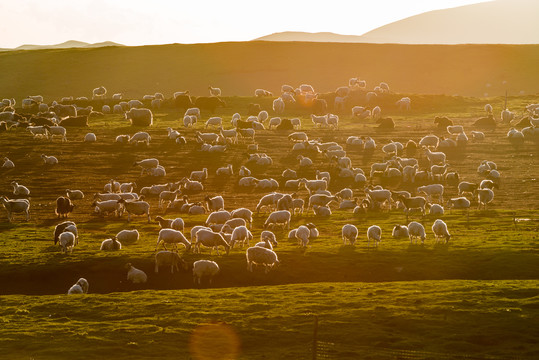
<point>141,22</point>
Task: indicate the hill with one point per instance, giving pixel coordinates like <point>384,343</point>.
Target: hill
<point>240,68</point>
<point>494,22</point>
<point>65,45</point>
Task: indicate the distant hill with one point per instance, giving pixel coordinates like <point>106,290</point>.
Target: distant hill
<point>65,45</point>
<point>494,22</point>
<point>239,68</point>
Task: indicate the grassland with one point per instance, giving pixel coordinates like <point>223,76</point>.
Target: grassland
<point>478,295</point>
<point>240,68</point>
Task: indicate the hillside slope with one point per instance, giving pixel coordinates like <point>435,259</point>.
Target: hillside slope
<point>239,68</point>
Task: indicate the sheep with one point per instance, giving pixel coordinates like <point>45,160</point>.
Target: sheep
<point>278,217</point>
<point>56,131</point>
<point>437,158</point>
<point>80,287</point>
<point>322,211</point>
<point>200,175</point>
<point>171,236</point>
<point>128,236</point>
<point>507,116</point>
<point>169,258</point>
<point>218,217</point>
<point>8,164</point>
<point>176,224</point>
<point>436,209</point>
<point>136,207</point>
<point>379,196</point>
<point>19,189</point>
<point>416,230</point>
<point>487,184</point>
<point>241,234</point>
<point>205,268</point>
<point>122,139</point>
<point>374,233</point>
<point>267,240</point>
<point>244,214</point>
<point>439,228</point>
<point>64,207</point>
<point>167,196</point>
<point>215,203</point>
<point>210,239</point>
<point>140,137</point>
<point>314,185</point>
<point>146,164</point>
<point>127,187</point>
<point>349,232</point>
<point>90,138</point>
<point>261,256</point>
<point>139,117</point>
<point>458,203</point>
<point>319,121</point>
<point>320,200</point>
<point>107,206</point>
<point>38,131</point>
<point>278,105</point>
<point>111,244</point>
<point>214,91</point>
<point>467,187</point>
<point>158,171</point>
<point>298,136</point>
<point>484,197</point>
<point>134,275</point>
<point>432,190</point>
<point>67,241</point>
<point>16,206</point>
<point>400,231</point>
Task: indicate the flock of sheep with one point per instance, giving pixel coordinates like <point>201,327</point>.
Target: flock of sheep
<point>229,229</point>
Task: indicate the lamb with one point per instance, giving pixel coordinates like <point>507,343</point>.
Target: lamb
<point>176,224</point>
<point>278,217</point>
<point>210,239</point>
<point>350,233</point>
<point>128,236</point>
<point>458,203</point>
<point>320,200</point>
<point>374,233</point>
<point>432,190</point>
<point>194,111</point>
<point>400,231</point>
<point>111,244</point>
<point>314,185</point>
<point>319,121</point>
<point>241,234</point>
<point>204,268</point>
<point>379,196</point>
<point>267,240</point>
<point>437,158</point>
<point>169,258</point>
<point>171,236</point>
<point>128,187</point>
<point>416,202</point>
<point>67,241</point>
<point>20,189</point>
<point>38,131</point>
<point>208,138</point>
<point>484,197</point>
<point>139,117</point>
<point>122,139</point>
<point>416,230</point>
<point>80,287</point>
<point>64,207</point>
<point>244,214</point>
<point>140,137</point>
<point>215,203</point>
<point>439,228</point>
<point>56,131</point>
<point>200,175</point>
<point>467,187</point>
<point>136,207</point>
<point>134,275</point>
<point>261,256</point>
<point>15,206</point>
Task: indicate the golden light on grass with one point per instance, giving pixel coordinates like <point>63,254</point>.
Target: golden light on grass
<point>214,341</point>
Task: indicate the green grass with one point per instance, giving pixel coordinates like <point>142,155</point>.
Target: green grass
<point>362,320</point>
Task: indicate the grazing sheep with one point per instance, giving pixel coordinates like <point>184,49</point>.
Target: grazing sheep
<point>241,234</point>
<point>67,241</point>
<point>436,209</point>
<point>146,164</point>
<point>261,256</point>
<point>169,258</point>
<point>90,138</point>
<point>244,214</point>
<point>111,244</point>
<point>322,211</point>
<point>107,206</point>
<point>80,287</point>
<point>136,207</point>
<point>65,226</point>
<point>439,228</point>
<point>171,236</point>
<point>210,239</point>
<point>416,230</point>
<point>374,233</point>
<point>134,275</point>
<point>400,231</point>
<point>176,224</point>
<point>484,197</point>
<point>15,206</point>
<point>139,117</point>
<point>350,233</point>
<point>49,160</point>
<point>432,190</point>
<point>278,217</point>
<point>128,236</point>
<point>218,217</point>
<point>204,268</point>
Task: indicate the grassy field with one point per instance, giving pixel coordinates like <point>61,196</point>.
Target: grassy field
<point>477,295</point>
<point>240,68</point>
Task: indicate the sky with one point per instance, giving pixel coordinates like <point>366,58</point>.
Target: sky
<point>146,22</point>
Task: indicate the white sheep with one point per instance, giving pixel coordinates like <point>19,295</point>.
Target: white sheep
<point>80,287</point>
<point>225,171</point>
<point>439,228</point>
<point>218,217</point>
<point>107,206</point>
<point>484,197</point>
<point>319,121</point>
<point>214,91</point>
<point>349,232</point>
<point>436,209</point>
<point>322,211</point>
<point>111,244</point>
<point>210,239</point>
<point>67,241</point>
<point>374,233</point>
<point>8,164</point>
<point>49,160</point>
<point>214,121</point>
<point>140,137</point>
<point>243,213</point>
<point>437,158</point>
<point>241,234</point>
<point>400,231</point>
<point>128,236</point>
<point>193,111</point>
<point>261,256</point>
<point>16,206</point>
<point>278,105</point>
<point>278,217</point>
<point>20,189</point>
<point>136,207</point>
<point>139,117</point>
<point>90,138</point>
<point>432,190</point>
<point>174,237</point>
<point>134,275</point>
<point>416,230</point>
<point>146,164</point>
<point>204,268</point>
